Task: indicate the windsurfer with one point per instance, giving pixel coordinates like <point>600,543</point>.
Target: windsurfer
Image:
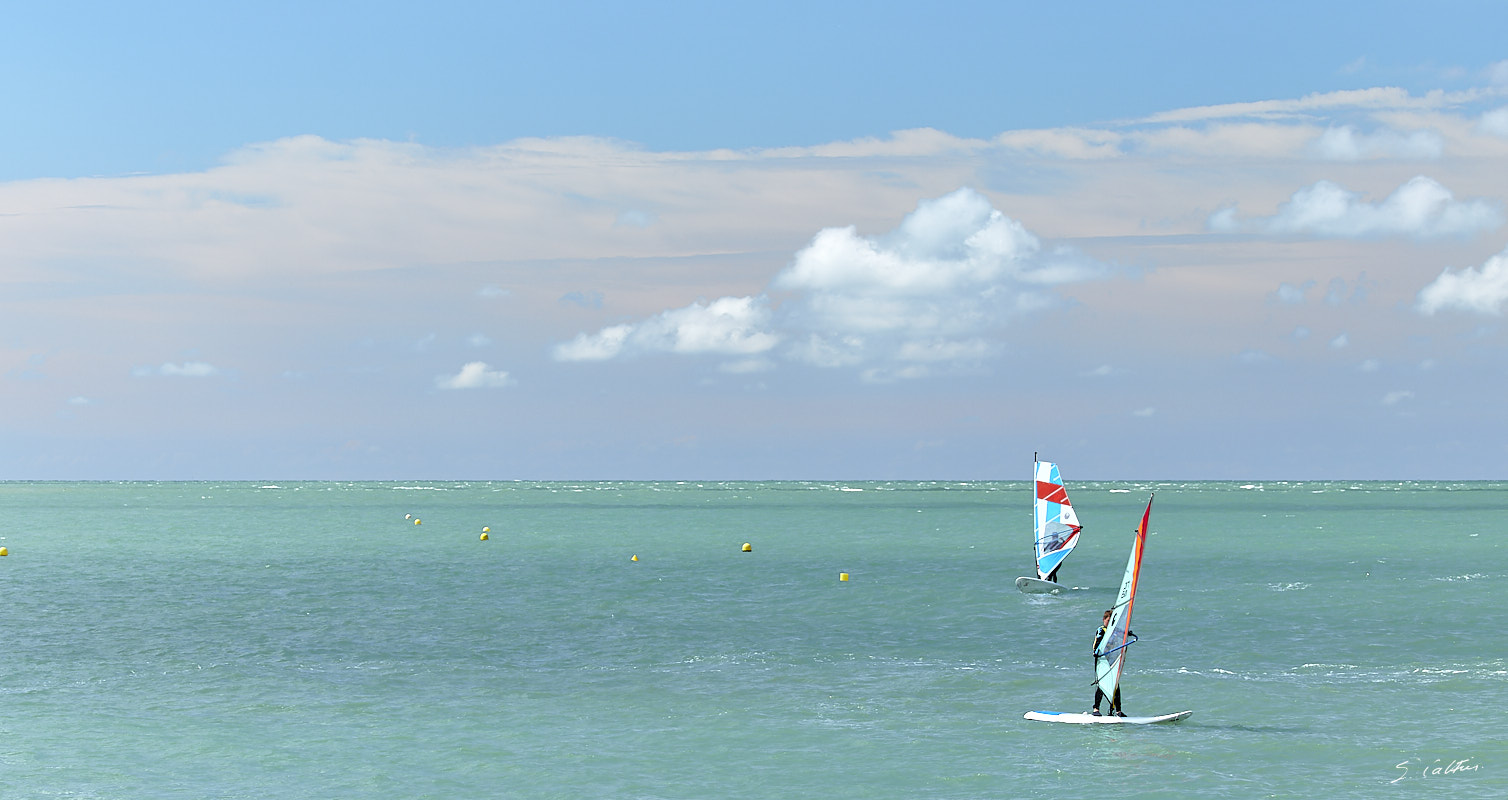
<point>1115,700</point>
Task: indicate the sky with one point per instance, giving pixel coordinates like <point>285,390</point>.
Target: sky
<point>684,241</point>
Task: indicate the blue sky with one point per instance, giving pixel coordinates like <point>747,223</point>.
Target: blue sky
<point>672,240</point>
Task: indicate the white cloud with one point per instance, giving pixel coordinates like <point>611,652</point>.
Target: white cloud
<point>1494,122</point>
<point>1345,143</point>
<point>479,340</point>
<point>1144,412</point>
<point>1395,397</point>
<point>1482,290</point>
<point>1370,365</point>
<point>746,366</point>
<point>945,351</point>
<point>1386,98</point>
<point>953,270</point>
<point>1291,295</point>
<point>1420,208</point>
<point>726,326</point>
<point>1498,73</point>
<point>600,346</point>
<point>188,369</point>
<point>79,401</point>
<point>1340,342</point>
<point>928,292</point>
<point>475,375</point>
<point>1070,143</point>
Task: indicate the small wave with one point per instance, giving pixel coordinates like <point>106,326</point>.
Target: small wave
<point>1287,587</point>
<point>1470,577</point>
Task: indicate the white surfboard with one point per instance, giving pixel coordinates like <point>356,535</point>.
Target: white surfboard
<point>1091,719</point>
<point>1039,586</point>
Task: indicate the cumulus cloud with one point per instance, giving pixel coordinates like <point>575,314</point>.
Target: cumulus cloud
<point>1345,143</point>
<point>954,270</point>
<point>188,369</point>
<point>1420,208</point>
<point>726,326</point>
<point>474,375</point>
<point>926,294</point>
<point>1481,289</point>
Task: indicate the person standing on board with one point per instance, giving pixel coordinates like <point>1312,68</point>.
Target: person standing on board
<point>1115,701</point>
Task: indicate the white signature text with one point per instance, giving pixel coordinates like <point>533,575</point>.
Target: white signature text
<point>1419,768</point>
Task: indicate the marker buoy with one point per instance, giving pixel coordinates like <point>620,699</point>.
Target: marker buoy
<point>635,558</point>
<point>748,548</point>
<point>484,536</point>
<point>4,552</point>
<point>843,576</point>
<point>408,516</point>
<point>417,521</point>
<point>486,529</point>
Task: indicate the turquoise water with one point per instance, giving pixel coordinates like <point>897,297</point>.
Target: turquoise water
<point>238,640</point>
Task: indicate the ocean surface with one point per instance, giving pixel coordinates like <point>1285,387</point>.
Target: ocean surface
<point>310,640</point>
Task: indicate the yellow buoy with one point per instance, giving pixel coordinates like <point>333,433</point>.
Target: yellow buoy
<point>748,548</point>
<point>635,558</point>
<point>484,536</point>
<point>4,552</point>
<point>843,576</point>
<point>417,521</point>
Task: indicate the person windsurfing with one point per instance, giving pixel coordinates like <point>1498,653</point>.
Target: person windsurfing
<point>1115,700</point>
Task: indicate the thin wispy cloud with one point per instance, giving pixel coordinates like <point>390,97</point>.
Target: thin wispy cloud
<point>188,369</point>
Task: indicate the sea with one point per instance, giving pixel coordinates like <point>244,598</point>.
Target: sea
<point>616,639</point>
